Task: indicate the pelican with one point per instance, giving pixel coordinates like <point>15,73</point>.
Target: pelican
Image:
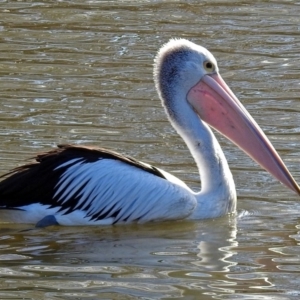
<point>77,185</point>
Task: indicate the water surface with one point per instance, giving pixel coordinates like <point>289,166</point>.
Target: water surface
<point>81,72</point>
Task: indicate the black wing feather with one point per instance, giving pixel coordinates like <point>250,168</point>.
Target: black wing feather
<point>36,182</point>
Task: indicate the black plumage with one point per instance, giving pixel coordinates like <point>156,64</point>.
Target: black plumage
<point>37,182</point>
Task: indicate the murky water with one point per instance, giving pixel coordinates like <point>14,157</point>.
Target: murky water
<point>81,72</point>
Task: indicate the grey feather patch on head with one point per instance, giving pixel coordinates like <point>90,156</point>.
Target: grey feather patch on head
<point>167,62</point>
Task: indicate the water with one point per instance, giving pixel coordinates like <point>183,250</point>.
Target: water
<point>81,72</point>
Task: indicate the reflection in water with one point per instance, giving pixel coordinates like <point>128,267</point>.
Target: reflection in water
<point>81,71</point>
<point>155,259</point>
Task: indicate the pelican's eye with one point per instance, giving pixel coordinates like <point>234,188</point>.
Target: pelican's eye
<point>208,66</point>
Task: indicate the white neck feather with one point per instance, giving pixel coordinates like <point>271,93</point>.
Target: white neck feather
<point>178,67</point>
<point>217,196</point>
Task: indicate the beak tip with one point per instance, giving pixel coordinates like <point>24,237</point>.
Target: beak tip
<point>296,188</point>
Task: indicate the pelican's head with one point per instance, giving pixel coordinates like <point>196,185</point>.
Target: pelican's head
<point>186,74</point>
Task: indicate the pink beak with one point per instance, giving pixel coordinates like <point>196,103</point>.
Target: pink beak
<point>216,105</point>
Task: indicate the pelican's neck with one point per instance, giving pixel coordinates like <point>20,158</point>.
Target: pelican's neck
<point>217,196</point>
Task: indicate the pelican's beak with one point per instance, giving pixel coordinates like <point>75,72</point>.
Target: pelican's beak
<point>216,105</point>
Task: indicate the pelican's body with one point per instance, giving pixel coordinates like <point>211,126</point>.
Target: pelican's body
<point>75,185</point>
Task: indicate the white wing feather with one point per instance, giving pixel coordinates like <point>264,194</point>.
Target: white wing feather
<point>114,189</point>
